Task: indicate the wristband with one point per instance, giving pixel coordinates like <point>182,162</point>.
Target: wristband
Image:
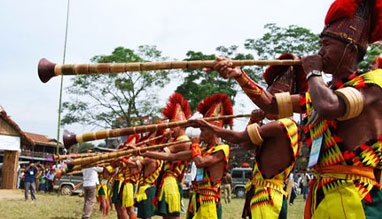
<point>313,73</point>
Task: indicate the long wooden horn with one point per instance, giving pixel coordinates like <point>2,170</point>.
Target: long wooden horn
<point>76,164</point>
<point>47,69</point>
<point>71,138</point>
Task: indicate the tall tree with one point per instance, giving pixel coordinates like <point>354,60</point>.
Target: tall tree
<point>119,99</point>
<point>278,40</point>
<point>198,84</point>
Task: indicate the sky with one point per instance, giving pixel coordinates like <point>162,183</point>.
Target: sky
<point>31,30</point>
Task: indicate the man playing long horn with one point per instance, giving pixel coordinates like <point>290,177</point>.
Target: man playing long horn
<point>169,190</point>
<point>131,178</point>
<point>344,123</point>
<point>275,143</point>
<point>211,161</point>
<point>122,194</point>
<point>150,170</point>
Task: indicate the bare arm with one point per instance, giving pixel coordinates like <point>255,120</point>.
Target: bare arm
<point>259,96</point>
<point>209,160</point>
<point>181,155</point>
<point>228,135</point>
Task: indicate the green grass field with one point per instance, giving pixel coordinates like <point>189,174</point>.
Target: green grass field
<point>53,206</point>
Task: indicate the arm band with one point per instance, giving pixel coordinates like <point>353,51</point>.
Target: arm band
<point>354,102</point>
<point>284,104</point>
<point>254,135</point>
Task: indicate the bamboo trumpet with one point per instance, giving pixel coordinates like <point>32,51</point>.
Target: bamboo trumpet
<point>71,138</point>
<point>47,69</point>
<point>92,161</point>
<point>61,157</point>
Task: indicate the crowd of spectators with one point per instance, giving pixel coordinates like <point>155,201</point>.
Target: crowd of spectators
<point>44,178</point>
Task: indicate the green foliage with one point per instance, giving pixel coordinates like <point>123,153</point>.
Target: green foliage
<point>373,51</point>
<point>296,40</point>
<point>199,84</point>
<point>118,99</point>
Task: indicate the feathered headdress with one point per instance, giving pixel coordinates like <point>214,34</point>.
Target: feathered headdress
<point>378,62</point>
<point>177,108</point>
<point>216,105</point>
<point>354,21</point>
<point>283,78</point>
<point>131,140</point>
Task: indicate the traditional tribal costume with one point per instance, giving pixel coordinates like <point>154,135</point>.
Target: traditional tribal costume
<point>103,196</point>
<point>343,177</point>
<point>146,192</point>
<point>268,199</point>
<point>127,190</point>
<point>169,190</point>
<point>205,199</point>
<point>205,195</point>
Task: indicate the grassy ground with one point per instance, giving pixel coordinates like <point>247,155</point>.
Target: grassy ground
<point>53,206</point>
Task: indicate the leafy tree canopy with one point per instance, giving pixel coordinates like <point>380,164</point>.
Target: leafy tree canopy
<point>118,99</point>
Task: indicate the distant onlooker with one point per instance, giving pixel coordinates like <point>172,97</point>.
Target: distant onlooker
<point>303,182</point>
<point>227,187</point>
<point>49,179</point>
<point>29,181</point>
<point>90,177</point>
<point>42,186</point>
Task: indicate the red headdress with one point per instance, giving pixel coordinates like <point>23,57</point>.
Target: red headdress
<point>131,140</point>
<point>216,105</point>
<point>177,108</point>
<point>283,78</point>
<point>378,62</point>
<point>354,21</point>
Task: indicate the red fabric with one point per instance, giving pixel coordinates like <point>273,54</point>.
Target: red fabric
<point>195,149</point>
<point>378,62</point>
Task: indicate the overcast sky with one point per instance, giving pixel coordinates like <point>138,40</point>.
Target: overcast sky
<point>31,30</point>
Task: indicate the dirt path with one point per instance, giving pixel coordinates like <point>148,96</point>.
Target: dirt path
<point>11,194</point>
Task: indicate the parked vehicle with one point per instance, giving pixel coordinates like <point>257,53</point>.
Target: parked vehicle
<point>240,177</point>
<point>67,183</point>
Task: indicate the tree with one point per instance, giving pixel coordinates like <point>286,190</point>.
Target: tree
<point>198,84</point>
<point>296,40</point>
<point>119,99</point>
<point>372,52</point>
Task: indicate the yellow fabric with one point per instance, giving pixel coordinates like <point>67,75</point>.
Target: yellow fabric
<point>268,195</point>
<point>141,194</point>
<point>105,189</point>
<point>349,198</point>
<point>128,195</point>
<point>344,192</point>
<point>170,192</point>
<point>268,210</point>
<point>208,211</point>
